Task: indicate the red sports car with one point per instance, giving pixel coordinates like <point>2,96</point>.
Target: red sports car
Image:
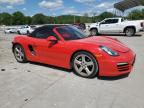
<point>68,47</point>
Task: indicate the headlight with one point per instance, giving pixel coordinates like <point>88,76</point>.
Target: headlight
<point>109,51</point>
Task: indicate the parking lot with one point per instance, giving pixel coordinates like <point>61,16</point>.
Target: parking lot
<point>33,85</point>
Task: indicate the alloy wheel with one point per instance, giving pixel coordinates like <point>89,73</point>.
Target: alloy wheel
<point>130,32</point>
<point>19,53</point>
<point>94,32</point>
<point>84,65</point>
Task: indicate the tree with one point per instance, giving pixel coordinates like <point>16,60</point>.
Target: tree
<point>104,15</point>
<point>84,18</point>
<point>94,17</point>
<point>65,19</point>
<point>28,20</point>
<point>18,18</point>
<point>136,15</point>
<point>5,19</point>
<point>39,19</point>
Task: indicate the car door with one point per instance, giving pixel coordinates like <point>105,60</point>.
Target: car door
<point>42,50</point>
<point>114,26</point>
<point>103,26</point>
<point>25,29</point>
<point>109,26</point>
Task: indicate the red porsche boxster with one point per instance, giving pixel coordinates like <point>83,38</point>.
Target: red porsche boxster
<point>68,47</point>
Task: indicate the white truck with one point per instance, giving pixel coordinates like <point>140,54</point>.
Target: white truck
<point>116,25</point>
<point>26,29</point>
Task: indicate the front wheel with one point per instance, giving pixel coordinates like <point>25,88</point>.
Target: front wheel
<point>94,32</point>
<point>19,54</point>
<point>85,65</point>
<point>28,32</point>
<point>19,32</point>
<point>129,32</point>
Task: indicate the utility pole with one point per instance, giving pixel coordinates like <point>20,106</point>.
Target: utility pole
<point>74,19</point>
<point>115,10</point>
<point>0,17</point>
<point>74,15</point>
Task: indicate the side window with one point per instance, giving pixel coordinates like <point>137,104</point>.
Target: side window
<point>113,21</point>
<point>110,21</point>
<point>43,33</point>
<point>106,21</point>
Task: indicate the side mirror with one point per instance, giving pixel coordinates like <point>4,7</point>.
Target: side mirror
<point>52,39</point>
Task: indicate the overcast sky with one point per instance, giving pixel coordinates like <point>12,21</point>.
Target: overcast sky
<point>57,7</point>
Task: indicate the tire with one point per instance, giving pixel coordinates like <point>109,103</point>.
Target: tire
<point>28,32</point>
<point>129,32</point>
<point>19,54</point>
<point>94,32</point>
<point>85,65</point>
<point>83,26</point>
<point>19,33</point>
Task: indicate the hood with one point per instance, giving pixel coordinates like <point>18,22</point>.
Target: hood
<point>95,24</point>
<point>105,41</point>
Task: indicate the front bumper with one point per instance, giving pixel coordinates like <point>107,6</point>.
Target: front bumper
<point>116,66</point>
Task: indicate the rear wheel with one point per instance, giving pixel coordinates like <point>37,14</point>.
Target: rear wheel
<point>19,33</point>
<point>28,32</point>
<point>85,65</point>
<point>94,32</point>
<point>19,54</point>
<point>130,32</point>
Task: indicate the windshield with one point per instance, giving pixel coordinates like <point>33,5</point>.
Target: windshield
<point>71,33</point>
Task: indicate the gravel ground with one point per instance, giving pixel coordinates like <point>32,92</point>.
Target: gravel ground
<point>34,85</point>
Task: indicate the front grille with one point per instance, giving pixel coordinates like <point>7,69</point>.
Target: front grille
<point>123,67</point>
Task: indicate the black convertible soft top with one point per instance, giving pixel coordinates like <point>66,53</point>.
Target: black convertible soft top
<point>52,26</point>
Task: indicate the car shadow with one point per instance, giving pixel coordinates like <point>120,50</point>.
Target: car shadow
<point>70,70</point>
<point>52,67</point>
<point>113,78</point>
<point>122,35</point>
